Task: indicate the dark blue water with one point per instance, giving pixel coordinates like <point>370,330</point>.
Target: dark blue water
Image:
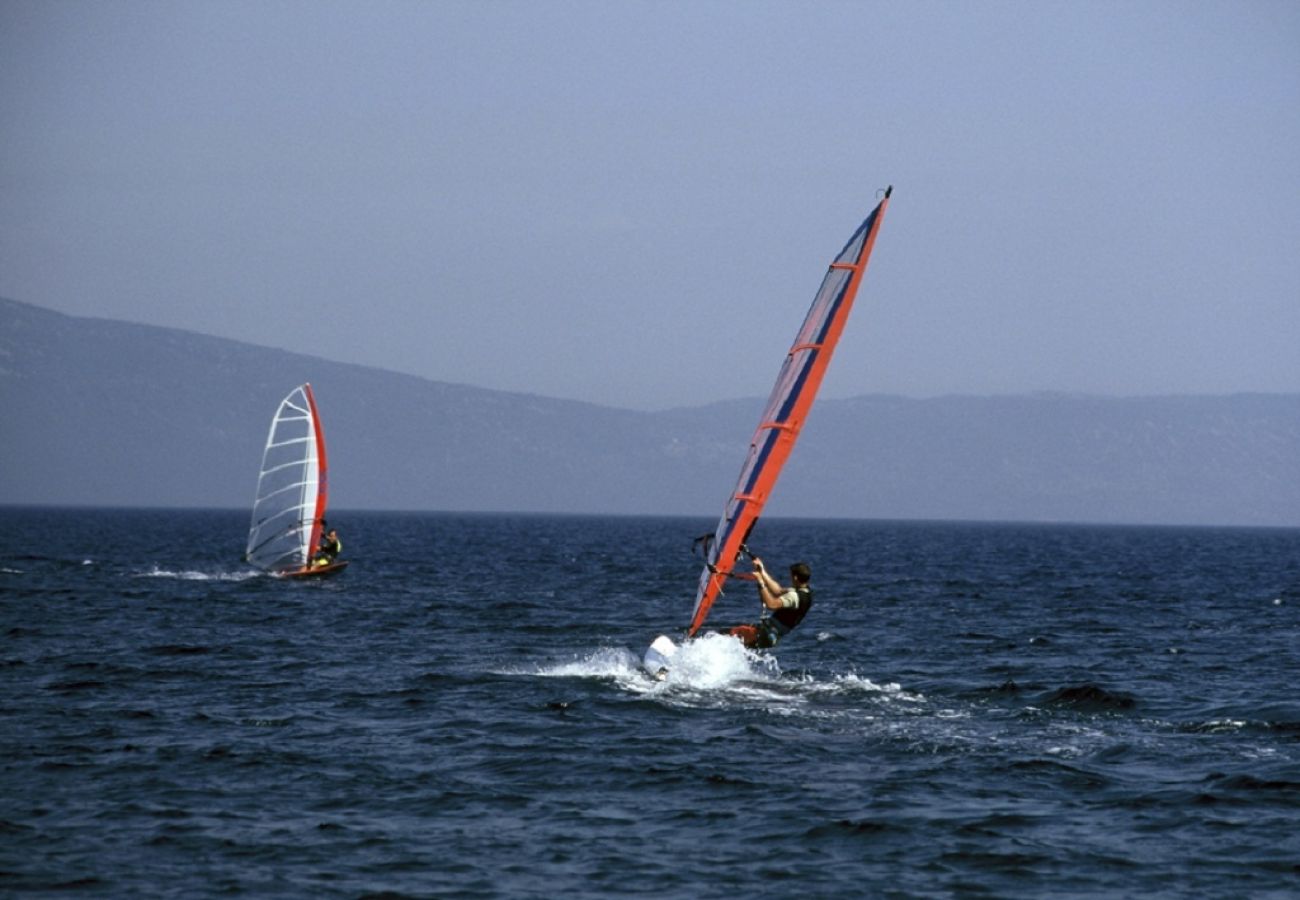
<point>970,710</point>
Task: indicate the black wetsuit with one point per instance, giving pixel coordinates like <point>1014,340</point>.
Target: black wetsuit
<point>782,621</point>
<point>329,550</point>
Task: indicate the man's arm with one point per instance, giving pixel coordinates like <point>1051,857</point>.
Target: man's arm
<point>769,591</point>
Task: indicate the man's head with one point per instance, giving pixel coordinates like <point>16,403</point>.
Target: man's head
<point>801,573</point>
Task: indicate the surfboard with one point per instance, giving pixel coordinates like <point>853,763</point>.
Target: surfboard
<point>317,571</point>
<point>658,658</point>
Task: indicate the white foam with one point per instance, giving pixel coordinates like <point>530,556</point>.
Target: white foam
<point>606,662</point>
<point>853,682</point>
<point>192,575</point>
<point>717,661</point>
<point>716,669</point>
<point>1217,726</point>
<point>712,664</point>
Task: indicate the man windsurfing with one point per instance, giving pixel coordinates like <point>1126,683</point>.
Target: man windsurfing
<point>783,607</point>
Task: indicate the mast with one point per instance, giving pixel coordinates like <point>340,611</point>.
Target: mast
<point>322,479</point>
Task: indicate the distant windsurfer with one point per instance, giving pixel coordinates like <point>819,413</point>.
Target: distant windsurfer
<point>329,549</point>
<point>787,606</point>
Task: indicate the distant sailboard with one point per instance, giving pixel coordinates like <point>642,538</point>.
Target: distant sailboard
<point>791,398</point>
<point>292,492</point>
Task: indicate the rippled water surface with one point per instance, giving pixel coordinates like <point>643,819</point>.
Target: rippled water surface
<point>969,710</point>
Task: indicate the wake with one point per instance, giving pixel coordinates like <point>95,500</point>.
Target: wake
<point>193,575</point>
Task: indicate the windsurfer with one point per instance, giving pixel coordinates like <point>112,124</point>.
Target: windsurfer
<point>329,549</point>
<point>787,605</point>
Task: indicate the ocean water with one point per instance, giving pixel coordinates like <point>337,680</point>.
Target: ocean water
<point>968,711</point>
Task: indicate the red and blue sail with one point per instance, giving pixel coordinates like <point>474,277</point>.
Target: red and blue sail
<point>787,408</point>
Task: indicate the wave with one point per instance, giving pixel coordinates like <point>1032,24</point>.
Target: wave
<point>75,686</point>
<point>178,649</point>
<point>1246,782</point>
<point>850,827</point>
<point>1228,725</point>
<point>1089,697</point>
<point>852,685</point>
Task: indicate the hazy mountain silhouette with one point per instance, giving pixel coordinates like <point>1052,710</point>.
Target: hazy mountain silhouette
<point>99,412</point>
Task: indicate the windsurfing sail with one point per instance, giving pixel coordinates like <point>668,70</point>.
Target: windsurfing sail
<point>787,407</point>
<point>292,488</point>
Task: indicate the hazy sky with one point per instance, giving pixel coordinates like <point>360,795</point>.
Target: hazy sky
<point>634,202</point>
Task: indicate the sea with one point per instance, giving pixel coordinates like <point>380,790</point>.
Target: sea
<point>969,710</point>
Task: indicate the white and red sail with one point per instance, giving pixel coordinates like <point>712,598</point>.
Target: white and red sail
<point>292,488</point>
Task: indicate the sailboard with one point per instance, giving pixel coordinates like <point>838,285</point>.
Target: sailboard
<point>292,492</point>
<point>779,427</point>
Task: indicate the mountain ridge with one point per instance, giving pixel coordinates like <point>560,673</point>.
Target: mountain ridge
<point>101,412</point>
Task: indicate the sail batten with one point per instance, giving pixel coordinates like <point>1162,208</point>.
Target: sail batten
<point>290,443</point>
<point>289,465</point>
<point>787,408</point>
<point>291,496</point>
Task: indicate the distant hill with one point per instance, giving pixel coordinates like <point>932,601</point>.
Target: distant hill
<point>99,412</point>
